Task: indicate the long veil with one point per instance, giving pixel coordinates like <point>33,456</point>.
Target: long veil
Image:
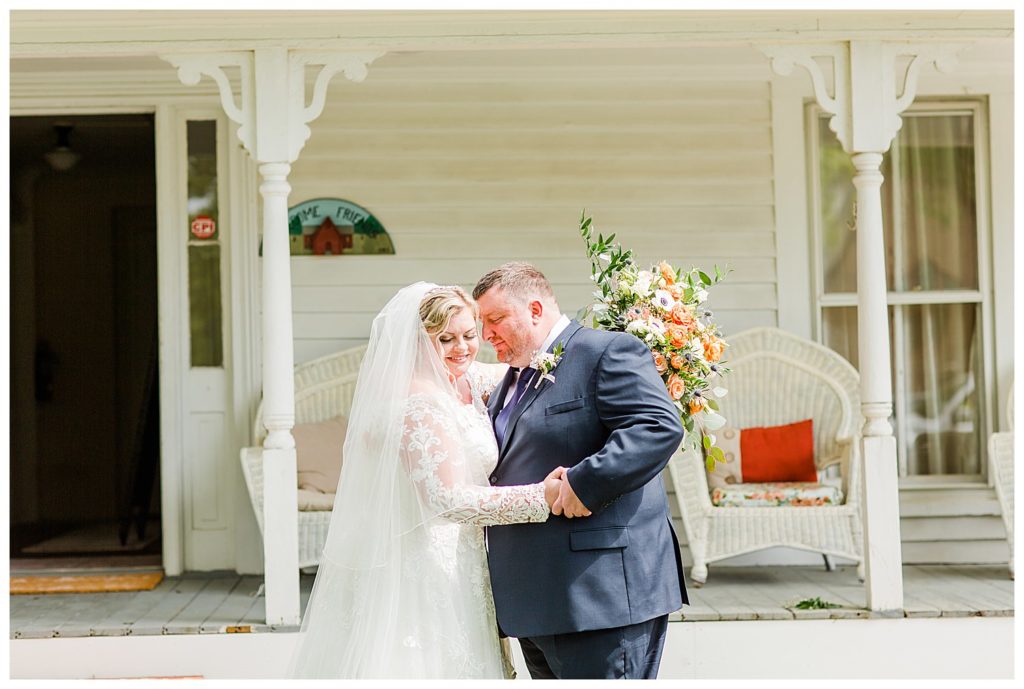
<point>389,599</point>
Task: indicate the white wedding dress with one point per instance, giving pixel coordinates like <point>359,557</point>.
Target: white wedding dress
<point>403,589</point>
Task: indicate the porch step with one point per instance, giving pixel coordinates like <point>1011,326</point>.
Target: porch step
<point>975,500</point>
<point>944,522</point>
<point>917,529</point>
<point>956,552</point>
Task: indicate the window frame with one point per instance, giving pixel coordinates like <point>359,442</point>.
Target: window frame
<point>977,108</point>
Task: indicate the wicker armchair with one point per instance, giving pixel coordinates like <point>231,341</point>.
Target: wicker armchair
<point>778,378</point>
<point>323,389</point>
<point>1000,452</point>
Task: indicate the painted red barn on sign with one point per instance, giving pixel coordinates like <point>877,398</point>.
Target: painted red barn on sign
<point>327,239</point>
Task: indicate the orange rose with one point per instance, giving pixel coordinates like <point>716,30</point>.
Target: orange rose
<point>676,387</point>
<point>683,315</point>
<point>677,335</point>
<point>676,291</point>
<point>713,349</point>
<point>696,405</point>
<point>667,273</point>
<point>678,362</point>
<point>659,362</point>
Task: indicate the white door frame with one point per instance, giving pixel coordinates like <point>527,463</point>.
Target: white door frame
<point>242,310</point>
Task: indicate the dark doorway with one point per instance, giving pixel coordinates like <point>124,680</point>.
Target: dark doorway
<point>85,415</point>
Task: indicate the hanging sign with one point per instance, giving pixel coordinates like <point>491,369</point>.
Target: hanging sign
<point>330,227</point>
<point>203,227</point>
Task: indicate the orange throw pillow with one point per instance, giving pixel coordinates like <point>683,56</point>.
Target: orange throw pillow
<point>777,454</point>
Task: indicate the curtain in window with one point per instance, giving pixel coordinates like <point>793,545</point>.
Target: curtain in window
<point>929,214</point>
<point>939,252</point>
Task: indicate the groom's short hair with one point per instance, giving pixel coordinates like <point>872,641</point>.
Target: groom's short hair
<point>516,279</point>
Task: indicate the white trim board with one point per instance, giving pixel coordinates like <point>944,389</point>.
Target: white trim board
<point>926,648</point>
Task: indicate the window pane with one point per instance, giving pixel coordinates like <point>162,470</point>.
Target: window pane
<point>928,207</point>
<point>938,237</point>
<point>839,243</point>
<point>839,331</point>
<point>204,304</point>
<point>202,175</point>
<point>943,367</point>
<point>942,364</point>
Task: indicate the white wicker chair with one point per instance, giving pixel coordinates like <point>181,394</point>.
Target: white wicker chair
<point>778,378</point>
<point>323,389</point>
<point>1000,452</point>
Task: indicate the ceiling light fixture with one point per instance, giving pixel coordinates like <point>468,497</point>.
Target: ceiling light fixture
<point>62,158</point>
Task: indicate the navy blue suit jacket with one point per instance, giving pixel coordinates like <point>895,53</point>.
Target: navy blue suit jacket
<point>608,416</point>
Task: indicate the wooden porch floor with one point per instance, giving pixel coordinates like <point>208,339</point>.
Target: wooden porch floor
<point>224,603</point>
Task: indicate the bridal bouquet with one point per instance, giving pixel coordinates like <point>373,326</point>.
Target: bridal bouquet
<point>664,307</point>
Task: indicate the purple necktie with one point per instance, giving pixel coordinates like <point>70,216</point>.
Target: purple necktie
<point>501,421</point>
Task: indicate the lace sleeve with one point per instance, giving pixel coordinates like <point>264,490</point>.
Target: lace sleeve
<point>435,460</point>
<point>485,377</point>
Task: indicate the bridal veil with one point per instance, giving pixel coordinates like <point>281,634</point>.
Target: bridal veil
<point>390,598</point>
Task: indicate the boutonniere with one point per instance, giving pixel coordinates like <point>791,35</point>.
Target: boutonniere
<point>545,362</point>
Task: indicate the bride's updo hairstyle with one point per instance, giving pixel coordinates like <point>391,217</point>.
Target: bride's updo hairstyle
<point>441,304</point>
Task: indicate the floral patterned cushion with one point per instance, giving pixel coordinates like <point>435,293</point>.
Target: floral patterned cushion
<point>776,494</point>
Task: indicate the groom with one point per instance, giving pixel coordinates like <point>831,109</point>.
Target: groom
<point>587,598</point>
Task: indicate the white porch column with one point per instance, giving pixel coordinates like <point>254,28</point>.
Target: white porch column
<point>273,116</point>
<point>280,501</point>
<point>865,111</point>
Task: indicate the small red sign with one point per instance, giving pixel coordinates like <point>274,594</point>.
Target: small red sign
<point>203,227</point>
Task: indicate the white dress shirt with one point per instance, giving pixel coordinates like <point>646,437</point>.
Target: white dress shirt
<point>556,330</point>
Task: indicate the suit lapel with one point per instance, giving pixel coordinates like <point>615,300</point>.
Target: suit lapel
<point>532,391</point>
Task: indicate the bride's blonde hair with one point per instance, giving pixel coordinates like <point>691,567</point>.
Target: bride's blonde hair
<point>441,304</point>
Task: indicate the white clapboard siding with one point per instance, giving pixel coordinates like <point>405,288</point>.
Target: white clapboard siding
<point>470,159</point>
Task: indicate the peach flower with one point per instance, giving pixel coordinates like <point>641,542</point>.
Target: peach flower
<point>683,315</point>
<point>713,348</point>
<point>696,405</point>
<point>676,387</point>
<point>678,362</point>
<point>659,362</point>
<point>667,273</point>
<point>677,335</point>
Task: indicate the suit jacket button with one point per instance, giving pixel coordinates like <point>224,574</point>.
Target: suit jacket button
<point>494,480</point>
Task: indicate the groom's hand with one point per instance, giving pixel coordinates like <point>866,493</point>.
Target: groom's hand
<point>568,504</point>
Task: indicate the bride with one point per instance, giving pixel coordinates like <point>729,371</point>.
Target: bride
<point>403,589</point>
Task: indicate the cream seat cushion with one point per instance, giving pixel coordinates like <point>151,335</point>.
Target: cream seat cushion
<point>318,449</point>
<point>315,501</point>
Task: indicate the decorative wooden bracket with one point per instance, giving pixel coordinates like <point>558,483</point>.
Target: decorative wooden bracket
<point>864,102</point>
<point>276,80</point>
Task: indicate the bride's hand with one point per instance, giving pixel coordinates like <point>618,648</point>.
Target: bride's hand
<point>552,488</point>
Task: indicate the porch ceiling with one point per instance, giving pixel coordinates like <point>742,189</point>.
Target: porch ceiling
<point>118,32</point>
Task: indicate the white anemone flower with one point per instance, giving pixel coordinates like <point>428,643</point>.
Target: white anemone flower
<point>664,300</point>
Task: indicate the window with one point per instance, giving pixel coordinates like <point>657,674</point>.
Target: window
<point>204,288</point>
<point>934,275</point>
